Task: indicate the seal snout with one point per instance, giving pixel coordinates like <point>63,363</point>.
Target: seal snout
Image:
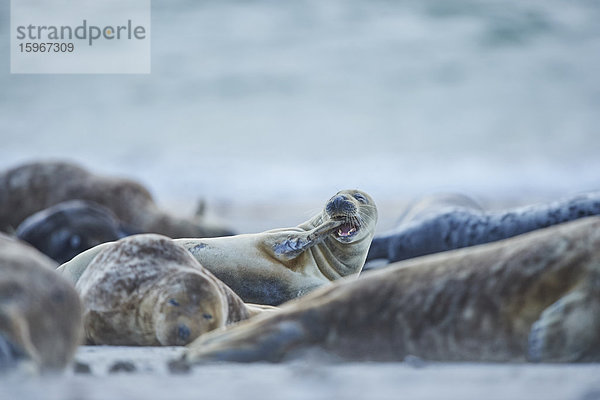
<point>340,207</point>
<point>183,332</point>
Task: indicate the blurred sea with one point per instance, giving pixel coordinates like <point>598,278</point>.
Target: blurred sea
<point>262,102</point>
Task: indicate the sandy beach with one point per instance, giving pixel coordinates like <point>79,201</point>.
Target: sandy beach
<point>266,109</point>
<point>413,379</point>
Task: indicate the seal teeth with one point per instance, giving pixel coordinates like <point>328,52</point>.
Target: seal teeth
<point>346,230</point>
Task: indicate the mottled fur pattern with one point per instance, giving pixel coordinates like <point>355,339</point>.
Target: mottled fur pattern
<point>145,290</point>
<point>534,297</point>
<point>431,226</point>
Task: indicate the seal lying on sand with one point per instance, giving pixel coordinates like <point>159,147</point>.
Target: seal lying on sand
<point>29,188</point>
<point>40,312</point>
<point>437,204</point>
<point>145,290</point>
<point>534,297</point>
<point>465,224</point>
<point>278,265</point>
<point>69,228</point>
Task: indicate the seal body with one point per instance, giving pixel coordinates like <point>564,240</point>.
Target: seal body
<point>282,264</point>
<point>437,204</point>
<point>40,312</point>
<point>69,228</point>
<point>534,297</point>
<point>30,188</point>
<point>275,266</point>
<point>145,290</point>
<point>431,230</point>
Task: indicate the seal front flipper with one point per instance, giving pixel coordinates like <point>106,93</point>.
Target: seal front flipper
<point>294,244</point>
<point>282,264</point>
<point>13,357</point>
<point>567,331</point>
<point>9,354</point>
<point>16,348</point>
<point>291,247</point>
<point>247,345</point>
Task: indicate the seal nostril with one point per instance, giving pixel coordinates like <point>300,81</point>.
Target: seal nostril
<point>183,332</point>
<point>339,201</point>
<point>340,204</point>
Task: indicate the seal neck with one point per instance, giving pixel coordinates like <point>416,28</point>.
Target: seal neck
<point>334,259</point>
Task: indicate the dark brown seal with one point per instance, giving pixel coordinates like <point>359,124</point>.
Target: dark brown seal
<point>29,188</point>
<point>40,312</point>
<point>145,290</point>
<point>534,297</point>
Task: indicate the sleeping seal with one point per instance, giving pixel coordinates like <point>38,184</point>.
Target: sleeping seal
<point>145,290</point>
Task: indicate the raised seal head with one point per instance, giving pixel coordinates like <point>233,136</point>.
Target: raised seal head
<point>355,211</point>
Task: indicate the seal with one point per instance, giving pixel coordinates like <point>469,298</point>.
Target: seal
<point>145,290</point>
<point>30,188</point>
<point>69,228</point>
<point>437,203</point>
<point>281,264</point>
<point>40,312</point>
<point>437,227</point>
<point>535,297</point>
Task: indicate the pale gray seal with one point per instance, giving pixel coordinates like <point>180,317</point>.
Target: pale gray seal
<point>281,264</point>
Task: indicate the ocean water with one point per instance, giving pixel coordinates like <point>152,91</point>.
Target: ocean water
<point>271,102</point>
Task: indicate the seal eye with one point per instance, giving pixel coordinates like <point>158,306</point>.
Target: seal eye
<point>360,198</point>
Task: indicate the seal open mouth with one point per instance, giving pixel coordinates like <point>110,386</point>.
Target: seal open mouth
<point>343,214</point>
<point>347,229</point>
